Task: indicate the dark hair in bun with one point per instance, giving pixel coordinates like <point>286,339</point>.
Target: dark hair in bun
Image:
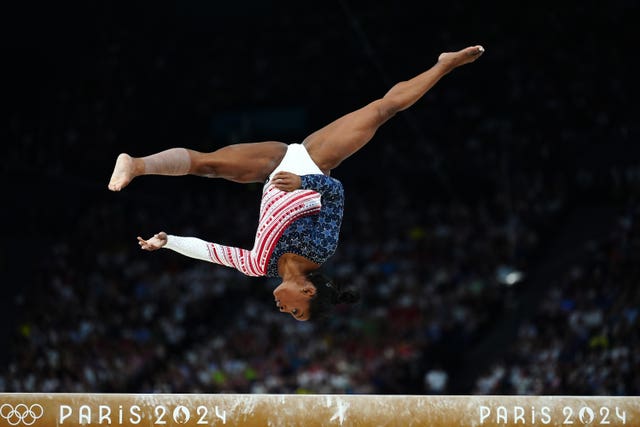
<point>328,294</point>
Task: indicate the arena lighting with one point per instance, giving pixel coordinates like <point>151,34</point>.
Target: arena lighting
<point>509,276</point>
<point>193,410</point>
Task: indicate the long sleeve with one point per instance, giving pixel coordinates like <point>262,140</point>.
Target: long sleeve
<point>279,211</point>
<point>314,237</point>
<point>326,231</point>
<point>241,259</point>
<point>329,188</point>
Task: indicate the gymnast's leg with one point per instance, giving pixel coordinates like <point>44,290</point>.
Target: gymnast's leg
<point>332,144</point>
<point>244,163</point>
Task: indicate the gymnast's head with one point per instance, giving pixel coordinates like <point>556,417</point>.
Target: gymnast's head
<point>312,297</point>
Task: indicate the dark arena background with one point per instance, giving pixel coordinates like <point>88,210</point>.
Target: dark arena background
<point>493,229</point>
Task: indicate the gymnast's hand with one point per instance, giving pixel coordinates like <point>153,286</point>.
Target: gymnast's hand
<point>154,243</point>
<point>286,181</point>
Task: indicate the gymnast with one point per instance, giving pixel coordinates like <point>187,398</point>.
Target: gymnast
<point>302,205</point>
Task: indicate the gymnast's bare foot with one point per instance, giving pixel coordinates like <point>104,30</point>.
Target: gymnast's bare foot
<point>123,172</point>
<point>452,60</point>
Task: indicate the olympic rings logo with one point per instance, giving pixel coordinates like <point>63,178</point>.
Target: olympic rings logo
<point>22,413</point>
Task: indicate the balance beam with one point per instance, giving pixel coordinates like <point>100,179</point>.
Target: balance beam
<point>194,410</point>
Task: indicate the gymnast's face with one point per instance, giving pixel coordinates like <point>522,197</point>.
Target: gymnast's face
<point>293,297</point>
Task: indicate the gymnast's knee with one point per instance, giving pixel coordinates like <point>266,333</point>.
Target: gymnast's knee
<point>203,165</point>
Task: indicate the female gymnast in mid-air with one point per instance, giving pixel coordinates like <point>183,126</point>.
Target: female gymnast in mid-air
<point>302,206</point>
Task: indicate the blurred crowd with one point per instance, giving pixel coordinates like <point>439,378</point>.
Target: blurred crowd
<point>115,319</point>
<point>480,186</point>
<point>584,338</point>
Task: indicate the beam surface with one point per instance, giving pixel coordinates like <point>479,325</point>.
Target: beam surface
<point>193,410</point>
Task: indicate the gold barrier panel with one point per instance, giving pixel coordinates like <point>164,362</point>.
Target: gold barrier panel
<point>194,410</point>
